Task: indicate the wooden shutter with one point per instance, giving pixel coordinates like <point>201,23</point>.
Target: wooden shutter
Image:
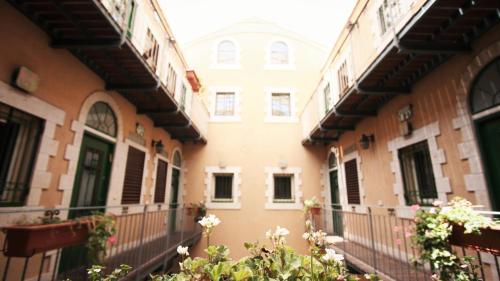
<point>351,182</point>
<point>161,181</point>
<point>133,176</point>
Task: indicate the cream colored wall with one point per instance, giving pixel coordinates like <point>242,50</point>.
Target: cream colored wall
<point>252,144</point>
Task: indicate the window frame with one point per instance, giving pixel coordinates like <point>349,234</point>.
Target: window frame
<point>270,118</point>
<point>236,117</point>
<point>214,195</point>
<point>283,200</point>
<point>296,182</point>
<point>210,174</point>
<point>215,55</point>
<point>290,65</point>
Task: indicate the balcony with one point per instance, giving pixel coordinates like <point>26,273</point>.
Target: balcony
<point>377,241</point>
<point>146,239</point>
<point>99,34</point>
<point>428,34</point>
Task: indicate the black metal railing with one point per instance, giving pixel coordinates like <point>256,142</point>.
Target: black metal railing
<point>375,239</point>
<point>146,239</point>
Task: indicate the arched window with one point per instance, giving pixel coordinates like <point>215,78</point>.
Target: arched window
<point>279,53</point>
<point>226,52</point>
<point>332,161</point>
<point>102,118</point>
<point>486,88</point>
<point>177,159</point>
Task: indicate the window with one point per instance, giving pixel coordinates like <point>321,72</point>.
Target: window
<point>279,53</point>
<point>131,18</point>
<point>223,188</point>
<point>224,104</point>
<point>343,77</point>
<point>151,50</point>
<point>283,188</point>
<point>418,177</point>
<point>161,181</point>
<point>132,184</point>
<point>387,14</point>
<point>226,52</point>
<point>332,161</point>
<point>19,139</point>
<point>352,182</point>
<point>177,160</point>
<point>171,80</point>
<point>328,97</point>
<point>280,103</point>
<point>485,91</point>
<point>102,119</point>
<point>183,97</point>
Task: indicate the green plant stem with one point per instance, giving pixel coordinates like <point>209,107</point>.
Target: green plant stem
<point>312,265</point>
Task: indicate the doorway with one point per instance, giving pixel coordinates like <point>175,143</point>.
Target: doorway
<point>489,138</point>
<point>338,228</point>
<point>174,193</point>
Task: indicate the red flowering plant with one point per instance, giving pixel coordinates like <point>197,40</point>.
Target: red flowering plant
<point>101,236</point>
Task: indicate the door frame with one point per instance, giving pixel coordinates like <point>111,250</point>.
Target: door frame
<point>478,121</point>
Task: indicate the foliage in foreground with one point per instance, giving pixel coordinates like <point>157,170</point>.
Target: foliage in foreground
<point>432,231</point>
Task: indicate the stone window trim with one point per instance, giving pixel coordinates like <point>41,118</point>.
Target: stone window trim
<point>293,118</point>
<point>212,99</point>
<point>427,133</point>
<point>209,182</point>
<point>53,117</point>
<point>296,172</point>
<point>468,148</point>
<point>214,62</point>
<point>360,208</point>
<point>291,57</point>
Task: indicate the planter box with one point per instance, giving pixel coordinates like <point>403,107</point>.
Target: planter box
<point>27,240</point>
<point>488,241</point>
<point>315,210</point>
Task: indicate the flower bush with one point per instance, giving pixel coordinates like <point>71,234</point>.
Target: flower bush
<point>277,263</point>
<point>101,235</point>
<point>431,238</point>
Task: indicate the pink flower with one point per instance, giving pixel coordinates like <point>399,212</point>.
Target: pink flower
<point>112,240</point>
<point>408,234</point>
<point>396,228</point>
<point>398,241</point>
<point>415,207</point>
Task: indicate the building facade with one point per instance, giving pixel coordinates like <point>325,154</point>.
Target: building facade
<point>253,173</point>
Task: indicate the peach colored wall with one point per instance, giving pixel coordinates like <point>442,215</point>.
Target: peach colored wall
<point>64,83</point>
<point>434,98</point>
<point>252,144</point>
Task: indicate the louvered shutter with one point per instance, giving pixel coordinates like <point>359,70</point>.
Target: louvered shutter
<point>161,181</point>
<point>351,181</point>
<point>133,176</point>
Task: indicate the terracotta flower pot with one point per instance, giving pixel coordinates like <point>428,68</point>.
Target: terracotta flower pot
<point>487,241</point>
<point>315,210</point>
<point>27,240</point>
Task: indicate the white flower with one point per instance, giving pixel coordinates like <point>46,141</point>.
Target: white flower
<point>432,211</point>
<point>183,251</point>
<point>281,231</point>
<point>437,203</point>
<point>330,255</point>
<point>305,236</point>
<point>269,234</point>
<point>210,221</point>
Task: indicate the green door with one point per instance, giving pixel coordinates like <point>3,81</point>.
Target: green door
<point>90,189</point>
<point>336,207</point>
<point>489,133</point>
<point>176,174</point>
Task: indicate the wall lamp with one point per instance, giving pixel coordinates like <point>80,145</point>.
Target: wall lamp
<point>366,140</point>
<point>158,145</point>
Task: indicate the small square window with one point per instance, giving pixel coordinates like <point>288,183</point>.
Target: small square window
<point>280,104</point>
<point>224,104</point>
<point>223,188</point>
<point>283,188</point>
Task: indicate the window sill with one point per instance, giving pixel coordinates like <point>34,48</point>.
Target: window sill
<point>226,66</point>
<point>224,119</point>
<point>288,205</point>
<point>223,205</point>
<point>280,67</point>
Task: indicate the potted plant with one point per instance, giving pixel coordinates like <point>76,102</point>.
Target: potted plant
<point>197,210</point>
<point>312,206</point>
<point>49,233</point>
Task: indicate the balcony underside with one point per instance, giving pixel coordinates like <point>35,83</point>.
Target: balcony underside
<point>89,32</point>
<point>439,30</point>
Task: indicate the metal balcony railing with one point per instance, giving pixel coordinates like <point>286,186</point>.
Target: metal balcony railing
<point>146,239</point>
<point>380,241</point>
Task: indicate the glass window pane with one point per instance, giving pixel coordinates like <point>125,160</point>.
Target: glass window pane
<point>224,104</point>
<point>280,104</point>
<point>486,90</point>
<point>282,187</point>
<point>226,52</point>
<point>279,53</point>
<point>102,118</point>
<point>223,187</point>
